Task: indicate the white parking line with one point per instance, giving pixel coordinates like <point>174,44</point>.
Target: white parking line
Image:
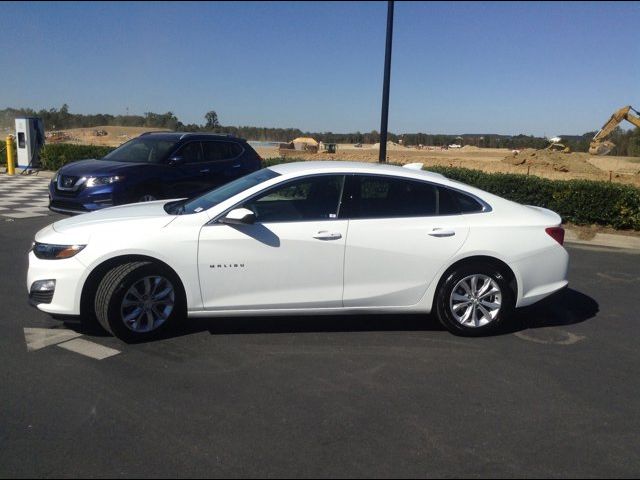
<point>37,338</point>
<point>89,349</point>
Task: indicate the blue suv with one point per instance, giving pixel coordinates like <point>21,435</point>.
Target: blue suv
<point>153,166</point>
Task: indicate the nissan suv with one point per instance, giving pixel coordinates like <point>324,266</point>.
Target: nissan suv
<point>155,165</point>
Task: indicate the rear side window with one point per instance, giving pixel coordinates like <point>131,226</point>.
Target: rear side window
<point>191,152</point>
<point>453,202</point>
<point>387,197</point>
<point>214,151</point>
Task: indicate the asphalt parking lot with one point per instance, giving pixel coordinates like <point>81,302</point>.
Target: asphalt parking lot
<point>557,395</point>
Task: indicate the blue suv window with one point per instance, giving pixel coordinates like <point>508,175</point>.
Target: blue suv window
<point>214,151</point>
<point>144,149</point>
<point>191,152</point>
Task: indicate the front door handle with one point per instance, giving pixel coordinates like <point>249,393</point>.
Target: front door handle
<point>324,235</point>
<point>206,170</point>
<point>442,232</point>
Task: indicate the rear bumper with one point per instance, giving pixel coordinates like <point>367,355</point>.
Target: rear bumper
<point>542,274</point>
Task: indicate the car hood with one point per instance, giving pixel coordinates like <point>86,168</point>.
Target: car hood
<point>125,218</point>
<point>93,167</point>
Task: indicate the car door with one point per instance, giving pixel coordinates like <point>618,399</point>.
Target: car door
<point>397,242</point>
<point>291,257</point>
<point>223,162</point>
<point>188,177</point>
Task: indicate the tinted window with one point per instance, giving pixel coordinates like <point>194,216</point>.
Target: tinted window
<point>191,152</point>
<point>454,202</point>
<point>316,198</point>
<point>376,197</point>
<point>145,149</point>
<point>447,203</point>
<point>220,150</point>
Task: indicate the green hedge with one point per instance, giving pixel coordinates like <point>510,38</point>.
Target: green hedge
<point>583,202</point>
<point>54,156</point>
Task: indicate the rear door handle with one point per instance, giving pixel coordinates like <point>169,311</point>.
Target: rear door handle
<point>206,170</point>
<point>442,232</point>
<point>324,235</point>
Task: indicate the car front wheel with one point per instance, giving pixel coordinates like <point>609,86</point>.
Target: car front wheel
<point>136,301</point>
<point>474,300</point>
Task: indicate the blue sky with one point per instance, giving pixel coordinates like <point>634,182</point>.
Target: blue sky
<point>534,68</point>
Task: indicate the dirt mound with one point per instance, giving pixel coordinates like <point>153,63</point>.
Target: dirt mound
<point>470,148</point>
<point>549,160</point>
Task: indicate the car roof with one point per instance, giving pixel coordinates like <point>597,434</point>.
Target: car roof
<point>328,166</point>
<point>164,135</point>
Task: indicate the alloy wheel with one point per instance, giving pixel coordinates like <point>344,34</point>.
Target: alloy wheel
<point>147,304</point>
<point>475,301</point>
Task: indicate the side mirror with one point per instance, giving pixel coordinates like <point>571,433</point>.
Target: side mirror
<point>239,216</point>
<point>175,161</point>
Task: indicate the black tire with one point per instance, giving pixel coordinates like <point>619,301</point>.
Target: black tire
<point>444,311</point>
<point>112,289</point>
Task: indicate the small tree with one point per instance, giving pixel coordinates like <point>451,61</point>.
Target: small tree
<point>212,119</point>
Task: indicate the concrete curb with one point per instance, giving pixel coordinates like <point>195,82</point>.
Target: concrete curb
<point>604,240</point>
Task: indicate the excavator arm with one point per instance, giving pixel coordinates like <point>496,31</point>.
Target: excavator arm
<point>600,145</point>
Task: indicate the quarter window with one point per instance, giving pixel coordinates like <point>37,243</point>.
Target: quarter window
<point>453,202</point>
<point>316,198</point>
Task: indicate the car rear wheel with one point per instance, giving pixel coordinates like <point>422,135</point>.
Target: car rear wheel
<point>137,301</point>
<point>474,300</point>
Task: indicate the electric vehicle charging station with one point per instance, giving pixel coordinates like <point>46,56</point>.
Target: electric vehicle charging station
<point>29,141</point>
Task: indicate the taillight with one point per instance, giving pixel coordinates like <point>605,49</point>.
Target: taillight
<point>557,233</point>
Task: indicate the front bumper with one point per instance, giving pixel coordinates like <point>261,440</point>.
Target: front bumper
<point>67,273</point>
<point>84,201</point>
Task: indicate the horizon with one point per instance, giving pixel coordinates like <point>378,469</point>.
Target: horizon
<point>505,69</point>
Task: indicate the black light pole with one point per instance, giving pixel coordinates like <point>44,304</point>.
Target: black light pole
<point>385,89</point>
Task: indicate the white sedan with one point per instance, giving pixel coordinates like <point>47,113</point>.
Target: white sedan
<point>303,238</point>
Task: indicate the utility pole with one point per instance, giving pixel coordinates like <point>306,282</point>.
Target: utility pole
<point>385,89</point>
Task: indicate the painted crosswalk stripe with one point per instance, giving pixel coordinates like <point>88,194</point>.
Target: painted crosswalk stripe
<point>89,349</point>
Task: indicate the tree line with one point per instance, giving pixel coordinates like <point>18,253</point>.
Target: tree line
<point>627,141</point>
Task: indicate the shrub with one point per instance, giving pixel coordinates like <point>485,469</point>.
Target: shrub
<point>54,156</point>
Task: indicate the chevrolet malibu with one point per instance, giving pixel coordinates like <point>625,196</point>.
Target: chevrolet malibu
<point>303,238</point>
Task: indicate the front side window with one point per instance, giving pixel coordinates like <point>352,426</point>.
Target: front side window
<point>388,197</point>
<point>314,198</point>
<point>145,149</point>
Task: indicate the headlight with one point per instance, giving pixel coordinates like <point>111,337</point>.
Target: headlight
<point>95,181</point>
<point>47,251</point>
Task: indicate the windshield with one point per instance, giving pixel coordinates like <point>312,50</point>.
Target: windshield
<point>220,194</point>
<point>145,149</point>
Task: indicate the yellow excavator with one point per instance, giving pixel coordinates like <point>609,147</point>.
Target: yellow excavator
<point>600,145</point>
